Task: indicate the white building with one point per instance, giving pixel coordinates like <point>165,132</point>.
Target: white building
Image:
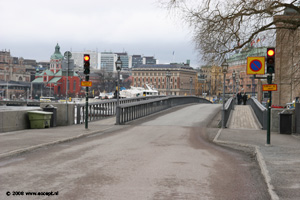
<point>108,60</point>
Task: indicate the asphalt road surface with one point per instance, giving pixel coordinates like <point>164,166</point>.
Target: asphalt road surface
<point>167,156</point>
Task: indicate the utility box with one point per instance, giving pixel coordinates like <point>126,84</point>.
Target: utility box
<point>51,108</point>
<point>285,123</point>
<point>297,118</point>
<point>39,119</point>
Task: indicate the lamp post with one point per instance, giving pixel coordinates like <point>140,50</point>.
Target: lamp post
<point>233,81</point>
<point>119,68</point>
<point>237,86</point>
<point>224,70</point>
<point>191,82</point>
<point>168,75</point>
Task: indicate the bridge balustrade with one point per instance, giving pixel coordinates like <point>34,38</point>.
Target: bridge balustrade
<point>132,111</point>
<point>228,107</point>
<point>103,109</point>
<point>260,111</point>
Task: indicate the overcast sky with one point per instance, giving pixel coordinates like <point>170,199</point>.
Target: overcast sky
<point>31,29</point>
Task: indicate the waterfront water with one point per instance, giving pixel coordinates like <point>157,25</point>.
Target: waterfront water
<point>15,108</point>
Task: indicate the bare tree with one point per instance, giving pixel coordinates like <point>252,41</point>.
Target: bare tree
<point>223,26</point>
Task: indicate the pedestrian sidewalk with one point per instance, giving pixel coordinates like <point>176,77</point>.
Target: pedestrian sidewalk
<point>16,142</point>
<point>279,162</point>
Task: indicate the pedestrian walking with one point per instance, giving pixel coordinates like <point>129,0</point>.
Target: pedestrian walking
<point>245,98</point>
<point>239,96</point>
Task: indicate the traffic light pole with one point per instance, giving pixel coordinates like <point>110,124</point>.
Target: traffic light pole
<point>269,112</point>
<point>86,103</point>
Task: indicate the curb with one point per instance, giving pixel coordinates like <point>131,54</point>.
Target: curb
<point>260,159</point>
<point>27,149</point>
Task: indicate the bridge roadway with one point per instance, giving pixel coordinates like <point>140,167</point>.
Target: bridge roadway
<point>164,156</point>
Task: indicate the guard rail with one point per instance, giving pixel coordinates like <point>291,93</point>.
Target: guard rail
<point>260,111</point>
<point>132,111</point>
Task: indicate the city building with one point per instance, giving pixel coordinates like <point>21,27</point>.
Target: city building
<point>108,60</point>
<point>136,60</point>
<point>173,79</point>
<point>211,77</point>
<point>54,81</point>
<point>125,60</point>
<point>149,60</point>
<point>14,75</point>
<point>287,59</point>
<point>199,87</point>
<point>237,79</point>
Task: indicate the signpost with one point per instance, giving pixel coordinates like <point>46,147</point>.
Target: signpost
<point>269,87</point>
<point>68,56</point>
<point>255,65</point>
<point>86,83</point>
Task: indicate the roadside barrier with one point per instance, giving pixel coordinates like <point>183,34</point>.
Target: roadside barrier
<point>131,111</point>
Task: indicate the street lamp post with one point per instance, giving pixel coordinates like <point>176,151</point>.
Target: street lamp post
<point>224,70</point>
<point>168,75</point>
<point>191,82</point>
<point>237,86</point>
<point>233,82</point>
<point>119,68</point>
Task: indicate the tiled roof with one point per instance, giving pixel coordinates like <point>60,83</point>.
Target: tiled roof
<point>54,80</point>
<point>38,80</point>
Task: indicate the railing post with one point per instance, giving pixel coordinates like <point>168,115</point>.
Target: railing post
<point>78,120</point>
<point>118,115</point>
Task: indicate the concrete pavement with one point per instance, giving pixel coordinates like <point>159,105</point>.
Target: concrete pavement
<point>280,162</point>
<point>17,142</point>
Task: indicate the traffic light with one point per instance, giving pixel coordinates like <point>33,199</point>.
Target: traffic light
<point>270,60</point>
<point>86,61</point>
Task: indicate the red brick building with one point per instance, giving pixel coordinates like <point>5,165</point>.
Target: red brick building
<point>54,81</point>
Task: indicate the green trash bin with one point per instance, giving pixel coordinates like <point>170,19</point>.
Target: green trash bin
<point>39,119</point>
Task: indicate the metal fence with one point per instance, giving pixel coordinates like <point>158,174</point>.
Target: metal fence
<point>103,109</point>
<point>260,111</point>
<point>132,111</point>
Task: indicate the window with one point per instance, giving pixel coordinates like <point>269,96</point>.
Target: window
<point>74,85</point>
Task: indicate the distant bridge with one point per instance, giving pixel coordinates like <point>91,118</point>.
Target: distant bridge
<point>20,103</point>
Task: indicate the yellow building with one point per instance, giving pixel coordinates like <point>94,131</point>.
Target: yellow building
<point>213,80</point>
<point>168,79</point>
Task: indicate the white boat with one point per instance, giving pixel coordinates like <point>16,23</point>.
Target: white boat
<point>138,92</point>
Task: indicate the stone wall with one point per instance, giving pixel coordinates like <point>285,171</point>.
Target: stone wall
<point>61,113</point>
<point>14,120</point>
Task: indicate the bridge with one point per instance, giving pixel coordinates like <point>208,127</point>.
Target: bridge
<point>19,103</point>
<point>129,109</point>
<point>162,149</point>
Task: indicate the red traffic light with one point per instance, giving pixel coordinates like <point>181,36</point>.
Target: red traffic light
<point>271,52</point>
<point>270,60</point>
<point>86,58</point>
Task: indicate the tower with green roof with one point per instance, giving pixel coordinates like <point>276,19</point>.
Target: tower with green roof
<point>56,60</point>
